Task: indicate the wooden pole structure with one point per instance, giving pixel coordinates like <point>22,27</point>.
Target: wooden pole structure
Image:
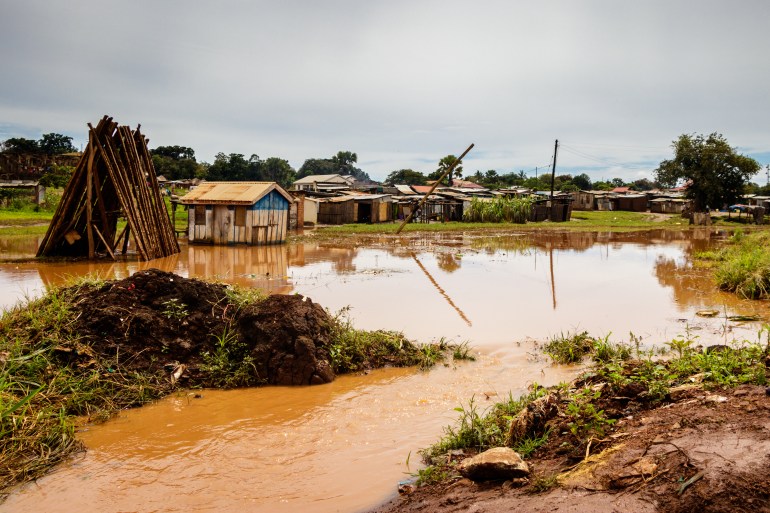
<point>114,177</point>
<point>424,198</point>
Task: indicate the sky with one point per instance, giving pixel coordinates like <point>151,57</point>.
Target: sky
<point>402,83</point>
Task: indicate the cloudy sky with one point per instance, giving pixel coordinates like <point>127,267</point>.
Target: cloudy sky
<point>400,82</point>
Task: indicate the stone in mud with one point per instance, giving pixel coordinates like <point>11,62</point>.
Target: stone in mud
<point>498,464</point>
<point>290,336</point>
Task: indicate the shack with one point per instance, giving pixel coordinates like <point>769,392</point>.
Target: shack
<point>373,208</point>
<point>253,213</point>
<point>28,189</point>
<point>668,205</point>
<point>630,203</point>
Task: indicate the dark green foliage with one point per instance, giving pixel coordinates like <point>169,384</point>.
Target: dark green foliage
<point>718,174</point>
<point>405,177</point>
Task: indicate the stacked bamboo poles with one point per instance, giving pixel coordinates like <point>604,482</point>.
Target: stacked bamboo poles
<point>114,178</point>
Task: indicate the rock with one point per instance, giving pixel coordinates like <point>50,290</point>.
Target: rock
<point>498,464</point>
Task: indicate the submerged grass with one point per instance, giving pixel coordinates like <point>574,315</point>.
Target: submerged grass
<point>743,265</point>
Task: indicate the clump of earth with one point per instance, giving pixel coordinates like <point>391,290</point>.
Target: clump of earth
<point>161,323</point>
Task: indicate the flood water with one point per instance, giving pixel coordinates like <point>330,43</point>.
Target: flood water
<point>344,446</point>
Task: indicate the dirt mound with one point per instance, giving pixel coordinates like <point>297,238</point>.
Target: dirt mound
<point>156,322</point>
<point>290,337</point>
<point>705,451</point>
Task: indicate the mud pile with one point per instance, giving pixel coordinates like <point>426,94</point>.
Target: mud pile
<point>161,323</point>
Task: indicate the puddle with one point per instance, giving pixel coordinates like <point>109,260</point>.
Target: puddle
<point>344,446</point>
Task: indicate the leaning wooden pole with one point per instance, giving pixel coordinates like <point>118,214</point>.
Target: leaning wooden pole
<point>425,198</point>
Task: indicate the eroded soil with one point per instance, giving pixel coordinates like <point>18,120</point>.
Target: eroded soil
<point>705,451</point>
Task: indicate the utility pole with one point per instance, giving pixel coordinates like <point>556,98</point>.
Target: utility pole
<point>553,170</point>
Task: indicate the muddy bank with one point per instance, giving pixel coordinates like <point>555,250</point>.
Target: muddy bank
<point>701,449</point>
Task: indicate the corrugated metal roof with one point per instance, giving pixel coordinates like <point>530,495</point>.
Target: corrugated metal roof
<point>232,193</point>
<point>335,178</point>
<point>364,197</point>
<point>404,189</point>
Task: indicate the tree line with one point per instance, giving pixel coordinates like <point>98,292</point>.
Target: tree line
<point>716,173</point>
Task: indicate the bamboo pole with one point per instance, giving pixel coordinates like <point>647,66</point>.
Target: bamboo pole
<point>424,198</point>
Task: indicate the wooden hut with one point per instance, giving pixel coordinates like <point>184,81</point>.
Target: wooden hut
<point>373,208</point>
<point>337,210</point>
<point>630,203</point>
<point>253,213</point>
<point>668,205</point>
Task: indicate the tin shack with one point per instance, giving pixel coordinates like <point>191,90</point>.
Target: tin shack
<point>254,213</point>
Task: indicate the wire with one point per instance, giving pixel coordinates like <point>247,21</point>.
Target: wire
<point>600,160</point>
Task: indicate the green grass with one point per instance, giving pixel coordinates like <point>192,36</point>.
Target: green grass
<point>742,266</point>
<point>355,350</point>
<point>40,398</point>
<point>620,219</point>
<point>499,209</point>
<point>581,221</point>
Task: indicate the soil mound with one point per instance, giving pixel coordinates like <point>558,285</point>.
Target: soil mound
<point>159,322</point>
<point>290,337</point>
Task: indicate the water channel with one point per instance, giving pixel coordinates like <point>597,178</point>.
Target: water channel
<point>344,446</point>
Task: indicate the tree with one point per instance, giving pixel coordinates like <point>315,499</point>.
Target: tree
<point>20,145</point>
<point>405,177</point>
<point>443,165</point>
<point>56,144</point>
<point>643,184</point>
<point>716,173</point>
<point>340,164</point>
<point>618,182</point>
<point>56,176</point>
<point>344,159</point>
<point>174,152</point>
<point>175,162</point>
<point>316,167</point>
<point>234,167</point>
<point>582,181</point>
<point>278,170</point>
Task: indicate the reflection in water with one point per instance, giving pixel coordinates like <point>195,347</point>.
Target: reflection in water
<point>440,290</point>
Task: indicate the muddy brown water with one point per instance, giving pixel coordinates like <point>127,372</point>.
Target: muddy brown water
<point>344,446</point>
